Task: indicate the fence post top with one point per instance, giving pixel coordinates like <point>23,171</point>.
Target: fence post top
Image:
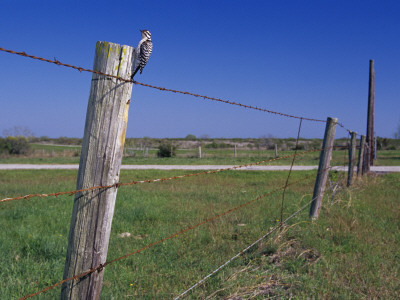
<point>329,119</point>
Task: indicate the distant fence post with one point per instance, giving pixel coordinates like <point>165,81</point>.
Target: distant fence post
<point>352,155</point>
<point>361,157</point>
<point>324,162</point>
<point>234,153</point>
<point>369,150</point>
<point>102,148</point>
<point>276,151</point>
<point>199,151</point>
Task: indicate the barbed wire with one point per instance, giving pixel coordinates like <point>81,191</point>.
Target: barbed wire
<point>119,184</point>
<point>55,61</point>
<point>242,252</point>
<point>102,266</point>
<point>228,102</point>
<point>80,69</point>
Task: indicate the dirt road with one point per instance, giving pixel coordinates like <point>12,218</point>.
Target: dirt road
<point>189,167</point>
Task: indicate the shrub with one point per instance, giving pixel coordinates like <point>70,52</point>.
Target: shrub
<point>215,145</point>
<point>190,137</point>
<point>16,145</point>
<point>299,147</point>
<point>166,150</point>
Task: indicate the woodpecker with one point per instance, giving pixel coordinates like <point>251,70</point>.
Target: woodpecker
<point>143,51</point>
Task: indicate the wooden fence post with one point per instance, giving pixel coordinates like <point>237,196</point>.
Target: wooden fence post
<point>276,151</point>
<point>324,162</point>
<point>369,153</point>
<point>102,147</point>
<point>361,156</point>
<point>199,151</point>
<point>352,155</point>
<point>235,152</point>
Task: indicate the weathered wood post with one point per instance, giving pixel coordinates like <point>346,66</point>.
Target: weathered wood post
<point>324,162</point>
<point>352,155</point>
<point>369,153</point>
<point>199,151</point>
<point>102,147</point>
<point>276,151</point>
<point>361,157</point>
<point>235,152</point>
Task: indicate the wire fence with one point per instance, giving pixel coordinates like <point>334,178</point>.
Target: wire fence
<point>119,184</point>
<point>174,235</point>
<point>80,69</point>
<point>243,251</point>
<point>282,188</point>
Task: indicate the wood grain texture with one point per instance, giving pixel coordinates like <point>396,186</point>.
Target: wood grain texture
<point>352,157</point>
<point>370,140</point>
<point>102,149</point>
<point>324,162</point>
<point>361,156</point>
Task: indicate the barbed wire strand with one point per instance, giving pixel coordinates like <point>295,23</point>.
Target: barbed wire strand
<point>80,69</point>
<point>119,184</point>
<point>101,266</point>
<point>290,171</point>
<point>241,252</point>
<point>228,102</point>
<point>55,61</point>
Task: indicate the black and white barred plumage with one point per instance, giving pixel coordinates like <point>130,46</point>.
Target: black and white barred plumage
<point>143,51</point>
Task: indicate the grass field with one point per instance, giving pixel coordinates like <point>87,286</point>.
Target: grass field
<point>350,252</point>
<point>64,154</point>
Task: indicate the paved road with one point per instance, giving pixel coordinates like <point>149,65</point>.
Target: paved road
<point>189,167</point>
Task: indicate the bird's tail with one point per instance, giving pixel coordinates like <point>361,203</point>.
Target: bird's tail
<point>134,73</point>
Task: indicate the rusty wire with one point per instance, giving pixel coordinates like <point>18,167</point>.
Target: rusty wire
<point>116,185</point>
<point>80,69</point>
<point>102,266</point>
<point>55,61</point>
<point>228,102</point>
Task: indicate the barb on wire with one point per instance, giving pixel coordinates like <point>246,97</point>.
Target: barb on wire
<point>119,184</point>
<point>101,266</point>
<point>241,252</point>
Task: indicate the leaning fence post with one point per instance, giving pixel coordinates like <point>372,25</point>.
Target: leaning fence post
<point>324,161</point>
<point>352,155</point>
<point>102,147</point>
<point>361,157</point>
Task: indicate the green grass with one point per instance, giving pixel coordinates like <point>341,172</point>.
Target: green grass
<point>58,154</point>
<point>363,235</point>
<point>186,157</point>
<point>54,147</point>
<point>34,244</point>
<point>351,252</point>
<point>388,158</point>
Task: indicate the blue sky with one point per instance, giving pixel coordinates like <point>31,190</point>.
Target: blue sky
<point>306,58</point>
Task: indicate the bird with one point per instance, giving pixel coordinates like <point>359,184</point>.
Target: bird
<point>143,51</point>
